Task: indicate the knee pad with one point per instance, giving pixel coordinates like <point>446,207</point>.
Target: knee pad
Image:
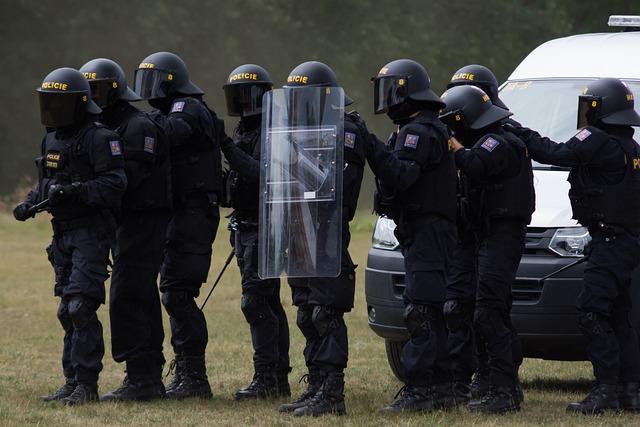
<point>179,305</point>
<point>255,308</point>
<point>325,319</point>
<point>81,312</point>
<point>456,314</point>
<point>417,318</point>
<point>594,324</point>
<point>304,321</point>
<point>63,315</point>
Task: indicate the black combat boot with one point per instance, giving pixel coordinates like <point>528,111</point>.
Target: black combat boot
<point>176,367</point>
<point>83,393</point>
<point>314,380</point>
<point>498,400</point>
<point>412,398</point>
<point>601,398</point>
<point>480,384</point>
<point>64,391</point>
<point>462,393</point>
<point>518,392</point>
<point>263,386</point>
<point>629,396</point>
<point>140,383</point>
<point>444,396</point>
<point>328,400</point>
<point>284,390</point>
<point>194,382</point>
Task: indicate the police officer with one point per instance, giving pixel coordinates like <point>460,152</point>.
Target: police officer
<point>497,200</point>
<point>467,353</point>
<point>322,301</point>
<point>605,183</point>
<point>260,302</point>
<point>134,302</point>
<point>417,179</point>
<point>193,131</point>
<point>81,174</point>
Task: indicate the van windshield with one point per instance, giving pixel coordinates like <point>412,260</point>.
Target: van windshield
<point>550,106</point>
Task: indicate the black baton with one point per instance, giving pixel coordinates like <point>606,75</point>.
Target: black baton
<point>38,207</point>
<point>224,267</point>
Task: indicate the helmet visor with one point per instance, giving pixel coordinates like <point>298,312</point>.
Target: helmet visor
<point>62,109</point>
<point>388,91</point>
<point>454,120</point>
<point>244,100</point>
<point>152,83</point>
<point>589,110</point>
<point>104,92</point>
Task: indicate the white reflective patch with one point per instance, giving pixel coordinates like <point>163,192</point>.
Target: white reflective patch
<point>583,134</point>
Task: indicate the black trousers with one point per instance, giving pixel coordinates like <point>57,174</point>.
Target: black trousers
<point>134,302</point>
<point>499,252</point>
<point>426,244</point>
<point>190,235</point>
<point>79,257</point>
<point>321,304</point>
<point>261,304</point>
<point>605,304</point>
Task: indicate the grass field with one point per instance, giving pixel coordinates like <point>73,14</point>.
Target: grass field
<point>31,340</point>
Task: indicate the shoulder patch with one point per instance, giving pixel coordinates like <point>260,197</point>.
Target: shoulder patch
<point>411,141</point>
<point>490,144</point>
<point>177,107</point>
<point>115,148</point>
<point>583,134</point>
<point>349,139</point>
<point>149,144</point>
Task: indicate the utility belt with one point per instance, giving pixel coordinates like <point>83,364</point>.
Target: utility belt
<point>64,225</point>
<point>243,222</point>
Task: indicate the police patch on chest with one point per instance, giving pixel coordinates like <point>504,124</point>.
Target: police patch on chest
<point>177,107</point>
<point>490,144</point>
<point>53,160</point>
<point>149,144</point>
<point>349,139</point>
<point>115,148</point>
<point>411,141</point>
<point>583,134</point>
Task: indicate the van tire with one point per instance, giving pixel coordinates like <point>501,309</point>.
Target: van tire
<point>394,350</point>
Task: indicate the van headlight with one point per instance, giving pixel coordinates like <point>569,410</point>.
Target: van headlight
<point>383,237</point>
<point>570,242</point>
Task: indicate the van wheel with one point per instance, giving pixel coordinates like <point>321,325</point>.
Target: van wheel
<point>394,350</point>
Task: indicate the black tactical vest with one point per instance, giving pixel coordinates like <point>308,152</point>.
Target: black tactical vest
<point>196,167</point>
<point>66,158</point>
<point>434,193</point>
<point>617,204</point>
<point>154,190</point>
<point>512,197</point>
<point>244,195</point>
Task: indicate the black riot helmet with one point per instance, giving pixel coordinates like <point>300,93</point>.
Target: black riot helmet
<point>244,90</point>
<point>65,98</point>
<point>469,108</point>
<point>609,101</point>
<point>480,76</point>
<point>108,82</point>
<point>401,81</point>
<point>314,74</point>
<point>163,75</point>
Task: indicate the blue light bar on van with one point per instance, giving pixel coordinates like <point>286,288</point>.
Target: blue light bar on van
<point>624,21</point>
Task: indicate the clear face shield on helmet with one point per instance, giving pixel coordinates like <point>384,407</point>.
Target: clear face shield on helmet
<point>104,92</point>
<point>245,99</point>
<point>389,91</point>
<point>152,83</point>
<point>59,109</point>
<point>589,110</point>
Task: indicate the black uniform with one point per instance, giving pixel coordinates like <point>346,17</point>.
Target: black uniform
<point>83,232</point>
<point>605,183</point>
<point>497,201</point>
<point>260,301</point>
<point>192,131</point>
<point>322,301</point>
<point>419,178</point>
<point>134,306</point>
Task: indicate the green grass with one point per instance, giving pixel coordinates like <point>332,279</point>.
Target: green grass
<point>30,344</point>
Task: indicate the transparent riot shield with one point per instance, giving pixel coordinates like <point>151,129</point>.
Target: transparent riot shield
<point>301,182</point>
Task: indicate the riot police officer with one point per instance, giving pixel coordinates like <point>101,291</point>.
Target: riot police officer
<point>497,200</point>
<point>417,189</point>
<point>467,352</point>
<point>134,302</point>
<point>260,302</point>
<point>605,183</point>
<point>193,131</point>
<point>81,173</point>
<point>322,301</point>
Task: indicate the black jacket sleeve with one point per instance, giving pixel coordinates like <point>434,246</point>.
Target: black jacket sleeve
<point>143,149</point>
<point>110,181</point>
<point>489,158</point>
<point>239,160</point>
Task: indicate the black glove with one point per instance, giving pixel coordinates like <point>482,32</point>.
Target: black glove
<point>364,131</point>
<point>62,193</point>
<point>21,212</point>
